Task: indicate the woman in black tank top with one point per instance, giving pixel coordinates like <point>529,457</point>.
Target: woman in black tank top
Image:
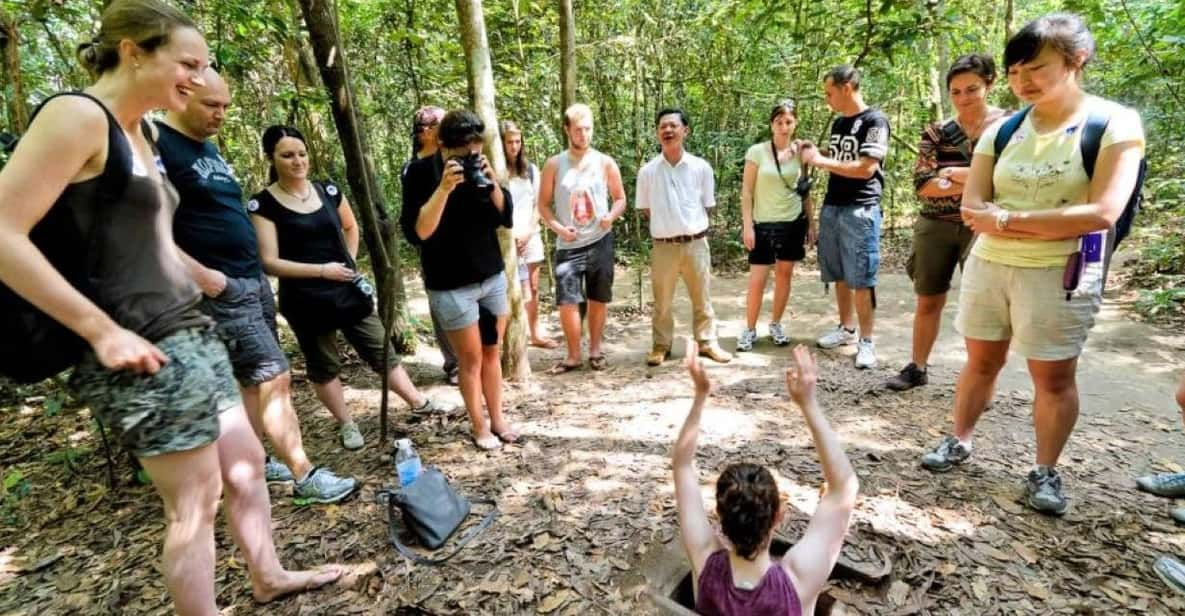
<point>308,238</point>
<point>87,157</point>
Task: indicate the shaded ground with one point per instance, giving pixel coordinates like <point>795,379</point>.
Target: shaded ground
<point>587,501</point>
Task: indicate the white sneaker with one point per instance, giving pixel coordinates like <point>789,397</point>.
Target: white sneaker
<point>837,337</point>
<point>746,339</point>
<point>351,436</point>
<point>865,353</point>
<point>778,335</point>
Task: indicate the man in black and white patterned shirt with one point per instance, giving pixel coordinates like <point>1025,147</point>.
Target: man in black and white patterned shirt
<point>850,220</point>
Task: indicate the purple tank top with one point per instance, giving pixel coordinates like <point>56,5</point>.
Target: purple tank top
<point>718,596</point>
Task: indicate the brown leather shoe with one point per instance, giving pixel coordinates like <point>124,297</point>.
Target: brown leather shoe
<point>657,356</point>
<point>712,351</point>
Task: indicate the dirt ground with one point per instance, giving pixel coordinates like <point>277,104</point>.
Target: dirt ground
<point>587,508</point>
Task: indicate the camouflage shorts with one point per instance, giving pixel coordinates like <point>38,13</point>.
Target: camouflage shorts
<point>175,409</point>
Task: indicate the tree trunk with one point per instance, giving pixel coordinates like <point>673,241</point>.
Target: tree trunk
<point>18,112</point>
<point>480,73</point>
<point>378,231</point>
<point>567,54</point>
<point>932,46</point>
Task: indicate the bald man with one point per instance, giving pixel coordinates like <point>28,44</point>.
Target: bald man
<point>213,230</point>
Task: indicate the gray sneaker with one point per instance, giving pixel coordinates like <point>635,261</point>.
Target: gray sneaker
<point>1164,484</point>
<point>1043,489</point>
<point>836,338</point>
<point>778,335</point>
<point>949,453</point>
<point>322,486</point>
<point>1171,571</point>
<point>746,339</point>
<point>275,472</point>
<point>434,407</point>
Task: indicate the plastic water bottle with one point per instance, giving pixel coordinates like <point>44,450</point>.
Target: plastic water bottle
<point>407,462</point>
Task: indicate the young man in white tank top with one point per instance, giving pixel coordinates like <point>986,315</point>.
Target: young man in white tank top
<point>585,186</point>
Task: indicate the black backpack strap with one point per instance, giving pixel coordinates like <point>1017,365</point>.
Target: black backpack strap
<point>408,553</point>
<point>1008,129</point>
<point>1092,139</point>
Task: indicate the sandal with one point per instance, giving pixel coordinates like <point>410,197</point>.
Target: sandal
<point>561,368</point>
<point>510,437</point>
<point>544,343</point>
<point>598,362</point>
<point>489,443</point>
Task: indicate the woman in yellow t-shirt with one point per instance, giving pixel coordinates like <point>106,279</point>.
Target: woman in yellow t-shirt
<point>1031,208</point>
<point>777,221</point>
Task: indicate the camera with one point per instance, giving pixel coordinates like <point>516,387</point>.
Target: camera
<point>471,171</point>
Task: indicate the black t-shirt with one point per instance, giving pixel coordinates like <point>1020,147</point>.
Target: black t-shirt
<point>864,134</point>
<point>315,237</point>
<point>464,248</point>
<point>210,225</point>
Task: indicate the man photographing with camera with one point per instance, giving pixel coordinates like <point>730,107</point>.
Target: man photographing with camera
<point>452,208</point>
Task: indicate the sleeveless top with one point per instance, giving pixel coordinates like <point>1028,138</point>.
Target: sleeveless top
<point>136,276</point>
<point>315,237</point>
<point>581,198</point>
<point>718,596</point>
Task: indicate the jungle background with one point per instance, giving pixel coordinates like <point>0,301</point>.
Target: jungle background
<point>70,540</point>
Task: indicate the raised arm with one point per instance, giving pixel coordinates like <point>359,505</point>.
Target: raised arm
<point>66,143</point>
<point>810,560</point>
<point>699,540</point>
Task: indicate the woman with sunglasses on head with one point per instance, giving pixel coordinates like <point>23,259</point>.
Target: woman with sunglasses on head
<point>425,125</point>
<point>452,209</point>
<point>777,221</point>
<point>1037,211</point>
<point>940,239</point>
<point>154,373</point>
<point>308,238</point>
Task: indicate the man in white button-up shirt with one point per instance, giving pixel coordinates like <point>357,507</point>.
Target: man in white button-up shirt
<point>675,191</point>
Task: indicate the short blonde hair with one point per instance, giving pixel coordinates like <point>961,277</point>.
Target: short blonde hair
<point>577,112</point>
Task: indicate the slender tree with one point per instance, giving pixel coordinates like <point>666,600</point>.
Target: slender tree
<point>480,74</point>
<point>567,54</point>
<point>378,231</point>
<point>10,70</point>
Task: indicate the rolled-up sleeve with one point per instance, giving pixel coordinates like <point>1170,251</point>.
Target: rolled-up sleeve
<point>707,186</point>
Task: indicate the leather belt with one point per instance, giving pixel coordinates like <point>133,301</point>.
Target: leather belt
<point>682,239</point>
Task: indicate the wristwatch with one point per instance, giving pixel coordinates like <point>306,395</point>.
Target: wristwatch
<point>1002,219</point>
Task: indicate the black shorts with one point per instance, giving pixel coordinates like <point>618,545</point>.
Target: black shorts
<point>781,241</point>
<point>585,273</point>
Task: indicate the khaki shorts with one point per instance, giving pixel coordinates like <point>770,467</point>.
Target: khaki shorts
<point>938,246</point>
<point>1027,306</point>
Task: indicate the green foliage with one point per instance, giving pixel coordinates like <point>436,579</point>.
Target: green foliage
<point>724,61</point>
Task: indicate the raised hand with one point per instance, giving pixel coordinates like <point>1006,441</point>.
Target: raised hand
<point>801,377</point>
<point>699,376</point>
<point>453,175</point>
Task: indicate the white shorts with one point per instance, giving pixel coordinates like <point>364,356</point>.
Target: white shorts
<point>1026,305</point>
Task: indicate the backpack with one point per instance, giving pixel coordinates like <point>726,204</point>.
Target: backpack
<point>1091,143</point>
<point>34,346</point>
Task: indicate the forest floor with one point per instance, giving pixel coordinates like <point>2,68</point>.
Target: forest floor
<point>587,519</point>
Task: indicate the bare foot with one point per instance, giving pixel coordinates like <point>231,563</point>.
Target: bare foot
<point>507,434</point>
<point>544,343</point>
<point>290,582</point>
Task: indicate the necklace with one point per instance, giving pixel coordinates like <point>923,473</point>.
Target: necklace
<point>305,199</point>
<point>978,127</point>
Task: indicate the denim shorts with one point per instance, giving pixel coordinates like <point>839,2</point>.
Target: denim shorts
<point>245,317</point>
<point>585,273</point>
<point>458,308</point>
<point>849,245</point>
